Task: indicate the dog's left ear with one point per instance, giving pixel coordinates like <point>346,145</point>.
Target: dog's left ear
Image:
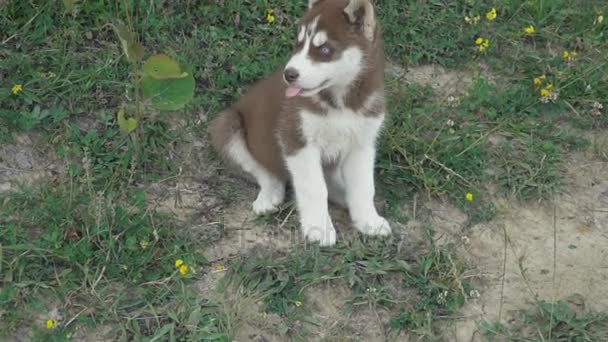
<point>361,14</point>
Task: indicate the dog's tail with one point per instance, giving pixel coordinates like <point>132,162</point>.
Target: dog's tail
<point>224,128</point>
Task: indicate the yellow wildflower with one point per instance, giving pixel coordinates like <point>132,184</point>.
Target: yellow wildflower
<point>469,197</point>
<point>491,15</point>
<point>17,88</point>
<point>546,92</point>
<point>144,244</point>
<point>539,80</point>
<point>600,19</point>
<point>219,267</point>
<point>569,55</point>
<point>482,44</point>
<point>270,19</point>
<point>178,263</point>
<point>529,30</point>
<point>183,269</point>
<point>50,323</point>
<point>473,20</point>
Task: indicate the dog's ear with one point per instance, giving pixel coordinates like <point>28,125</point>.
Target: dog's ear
<point>312,3</point>
<point>361,14</point>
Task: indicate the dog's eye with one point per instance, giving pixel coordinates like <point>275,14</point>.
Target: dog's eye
<point>325,50</point>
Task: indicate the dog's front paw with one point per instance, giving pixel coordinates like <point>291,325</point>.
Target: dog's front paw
<point>324,236</point>
<point>268,202</point>
<point>374,225</point>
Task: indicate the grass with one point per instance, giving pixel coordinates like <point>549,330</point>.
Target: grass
<point>71,247</point>
<point>381,275</point>
<point>559,321</point>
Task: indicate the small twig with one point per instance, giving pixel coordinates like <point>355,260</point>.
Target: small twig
<point>573,109</point>
<point>476,142</point>
<point>415,206</point>
<point>75,316</point>
<point>554,268</point>
<point>504,272</point>
<point>287,218</point>
<point>103,270</point>
<point>452,172</point>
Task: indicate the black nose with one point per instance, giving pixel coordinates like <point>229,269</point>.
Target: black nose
<point>291,75</point>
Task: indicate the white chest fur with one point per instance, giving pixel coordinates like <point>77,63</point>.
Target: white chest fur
<point>337,132</point>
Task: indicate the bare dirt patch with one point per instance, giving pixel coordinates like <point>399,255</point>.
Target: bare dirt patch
<point>553,250</point>
<point>444,82</point>
<point>25,161</point>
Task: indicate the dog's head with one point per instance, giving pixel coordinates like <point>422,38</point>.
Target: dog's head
<point>333,40</point>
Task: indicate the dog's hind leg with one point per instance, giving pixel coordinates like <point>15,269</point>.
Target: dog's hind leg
<point>226,133</point>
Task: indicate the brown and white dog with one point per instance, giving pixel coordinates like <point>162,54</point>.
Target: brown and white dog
<point>315,121</point>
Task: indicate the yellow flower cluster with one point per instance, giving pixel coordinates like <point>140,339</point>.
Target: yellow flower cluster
<point>546,90</point>
<point>491,15</point>
<point>50,323</point>
<point>529,30</point>
<point>539,80</point>
<point>144,244</point>
<point>270,18</point>
<point>569,55</point>
<point>472,20</point>
<point>183,268</point>
<point>17,88</point>
<point>482,44</point>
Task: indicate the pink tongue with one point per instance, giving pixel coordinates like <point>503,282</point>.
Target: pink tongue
<point>292,91</point>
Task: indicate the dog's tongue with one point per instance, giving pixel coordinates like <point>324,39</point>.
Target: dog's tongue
<point>292,91</point>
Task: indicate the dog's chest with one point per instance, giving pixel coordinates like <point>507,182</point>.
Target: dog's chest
<point>339,131</point>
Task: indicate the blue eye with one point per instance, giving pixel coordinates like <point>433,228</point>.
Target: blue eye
<point>325,50</point>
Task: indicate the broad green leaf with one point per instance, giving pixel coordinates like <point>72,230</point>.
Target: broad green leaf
<point>130,44</point>
<point>163,67</point>
<point>168,94</point>
<point>126,125</point>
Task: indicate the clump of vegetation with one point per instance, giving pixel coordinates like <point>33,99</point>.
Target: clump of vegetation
<point>558,321</point>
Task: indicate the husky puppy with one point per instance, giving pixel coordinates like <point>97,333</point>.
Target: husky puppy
<point>315,121</point>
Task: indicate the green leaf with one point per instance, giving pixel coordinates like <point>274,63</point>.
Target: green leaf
<point>130,44</point>
<point>163,67</point>
<point>126,125</point>
<point>168,94</point>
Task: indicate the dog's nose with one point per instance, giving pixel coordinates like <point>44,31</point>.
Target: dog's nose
<point>291,75</point>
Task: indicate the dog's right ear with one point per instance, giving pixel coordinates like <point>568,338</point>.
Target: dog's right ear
<point>312,3</point>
